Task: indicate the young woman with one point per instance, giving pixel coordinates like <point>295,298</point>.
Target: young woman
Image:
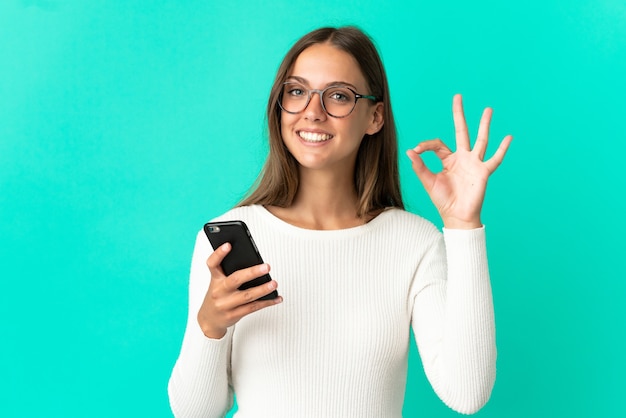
<point>356,271</point>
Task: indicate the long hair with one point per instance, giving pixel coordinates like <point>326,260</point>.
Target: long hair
<point>376,177</point>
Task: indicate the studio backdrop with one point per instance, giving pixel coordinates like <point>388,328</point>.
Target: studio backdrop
<point>125,125</point>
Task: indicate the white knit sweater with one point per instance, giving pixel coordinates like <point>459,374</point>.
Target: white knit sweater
<point>338,344</point>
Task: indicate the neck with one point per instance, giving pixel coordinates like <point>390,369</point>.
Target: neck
<point>325,200</point>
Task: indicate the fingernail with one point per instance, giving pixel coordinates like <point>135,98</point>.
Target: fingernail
<point>271,285</point>
<point>226,247</point>
<point>264,268</point>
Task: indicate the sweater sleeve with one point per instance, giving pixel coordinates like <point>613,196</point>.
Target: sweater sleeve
<point>199,385</point>
<point>453,320</point>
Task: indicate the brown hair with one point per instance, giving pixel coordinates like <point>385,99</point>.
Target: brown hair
<point>376,177</point>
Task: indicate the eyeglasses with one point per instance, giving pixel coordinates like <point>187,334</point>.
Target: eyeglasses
<point>337,101</point>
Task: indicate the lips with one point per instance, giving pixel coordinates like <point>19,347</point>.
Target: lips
<point>314,137</point>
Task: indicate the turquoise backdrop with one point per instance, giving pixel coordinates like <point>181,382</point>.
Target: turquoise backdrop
<point>125,125</point>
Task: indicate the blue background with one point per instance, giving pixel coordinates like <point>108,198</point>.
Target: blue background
<point>125,125</point>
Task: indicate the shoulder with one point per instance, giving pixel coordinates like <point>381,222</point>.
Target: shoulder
<point>239,213</point>
<point>399,219</point>
<point>254,216</point>
<point>405,229</point>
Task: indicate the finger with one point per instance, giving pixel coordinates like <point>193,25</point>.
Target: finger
<point>243,310</point>
<point>252,294</point>
<point>235,280</point>
<point>495,161</point>
<point>480,147</point>
<point>233,300</point>
<point>423,173</point>
<point>460,126</point>
<point>215,259</point>
<point>437,146</point>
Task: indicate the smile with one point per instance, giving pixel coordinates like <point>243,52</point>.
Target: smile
<point>314,136</point>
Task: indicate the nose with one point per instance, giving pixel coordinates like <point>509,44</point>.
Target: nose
<point>314,109</point>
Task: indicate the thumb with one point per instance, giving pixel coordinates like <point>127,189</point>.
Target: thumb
<point>423,173</point>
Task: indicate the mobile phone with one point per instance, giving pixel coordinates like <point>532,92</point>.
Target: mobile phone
<point>243,253</point>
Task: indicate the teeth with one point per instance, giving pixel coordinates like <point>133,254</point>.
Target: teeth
<point>314,137</point>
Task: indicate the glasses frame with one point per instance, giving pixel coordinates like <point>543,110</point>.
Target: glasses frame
<point>320,93</point>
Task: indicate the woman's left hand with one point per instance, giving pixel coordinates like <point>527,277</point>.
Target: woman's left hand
<point>458,190</point>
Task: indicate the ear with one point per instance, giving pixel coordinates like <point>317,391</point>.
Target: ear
<point>377,119</point>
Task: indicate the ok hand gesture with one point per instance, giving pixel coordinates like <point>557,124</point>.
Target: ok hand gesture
<point>458,191</point>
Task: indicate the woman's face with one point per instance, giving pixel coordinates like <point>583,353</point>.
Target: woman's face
<point>315,139</point>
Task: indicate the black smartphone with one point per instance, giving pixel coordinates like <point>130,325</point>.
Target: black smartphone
<point>243,253</point>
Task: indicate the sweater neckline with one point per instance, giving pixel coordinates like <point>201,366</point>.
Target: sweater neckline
<point>290,229</point>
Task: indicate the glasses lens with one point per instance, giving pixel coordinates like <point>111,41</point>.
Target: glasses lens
<point>339,101</point>
<point>294,97</point>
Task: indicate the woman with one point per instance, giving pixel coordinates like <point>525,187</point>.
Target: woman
<point>356,271</point>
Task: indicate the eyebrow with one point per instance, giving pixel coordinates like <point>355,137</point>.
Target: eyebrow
<point>332,83</point>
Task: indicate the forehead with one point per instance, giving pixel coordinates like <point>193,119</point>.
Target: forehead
<point>323,64</point>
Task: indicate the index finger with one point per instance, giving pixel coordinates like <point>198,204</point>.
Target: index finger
<point>460,126</point>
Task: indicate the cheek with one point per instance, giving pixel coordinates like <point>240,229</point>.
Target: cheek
<point>286,122</point>
<point>286,130</point>
<point>359,125</point>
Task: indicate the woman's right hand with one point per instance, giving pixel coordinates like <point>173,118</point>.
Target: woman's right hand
<point>224,305</point>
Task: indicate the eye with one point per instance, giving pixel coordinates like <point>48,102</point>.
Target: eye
<point>340,95</point>
<point>295,90</point>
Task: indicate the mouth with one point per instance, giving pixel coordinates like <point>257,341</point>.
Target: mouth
<point>314,137</point>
